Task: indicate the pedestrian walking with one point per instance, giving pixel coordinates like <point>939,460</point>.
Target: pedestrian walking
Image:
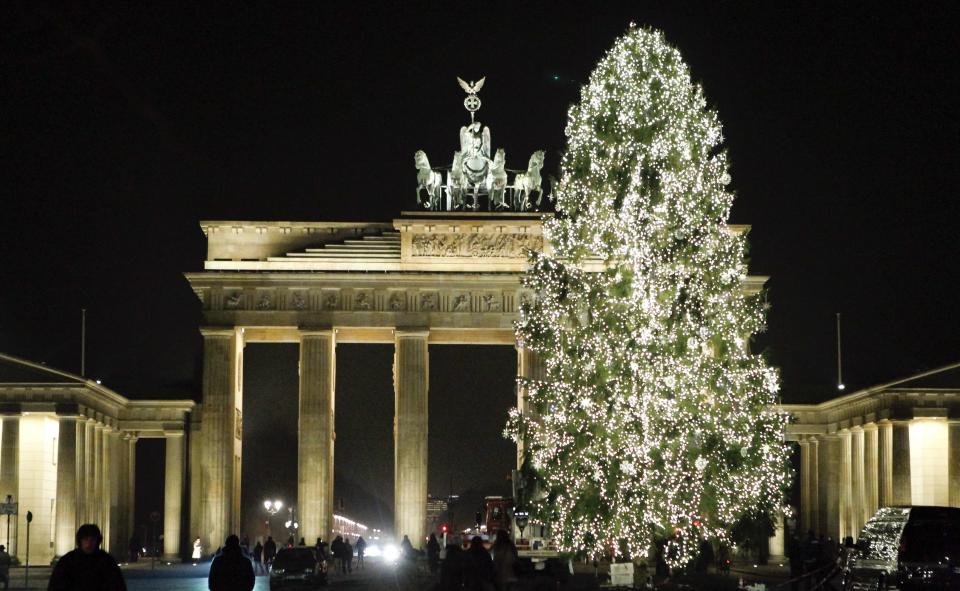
<point>231,569</point>
<point>134,548</point>
<point>197,550</point>
<point>433,554</point>
<point>337,549</point>
<point>361,549</point>
<point>348,555</point>
<point>478,573</point>
<point>4,567</point>
<point>269,551</point>
<point>451,571</point>
<point>505,561</point>
<point>406,549</point>
<point>87,566</point>
<point>258,557</point>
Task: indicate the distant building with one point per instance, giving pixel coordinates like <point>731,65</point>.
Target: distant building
<point>348,528</point>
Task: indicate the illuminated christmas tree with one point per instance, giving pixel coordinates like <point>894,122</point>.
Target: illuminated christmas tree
<point>654,421</point>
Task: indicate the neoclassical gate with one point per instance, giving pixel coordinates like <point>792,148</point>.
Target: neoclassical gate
<point>445,278</point>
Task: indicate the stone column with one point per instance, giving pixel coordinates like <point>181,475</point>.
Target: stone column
<point>10,477</point>
<point>858,501</point>
<point>172,496</point>
<point>131,490</point>
<point>885,463</point>
<point>870,471</point>
<point>96,499</point>
<point>953,463</point>
<point>829,485</point>
<point>529,365</point>
<point>846,485</point>
<point>814,495</point>
<point>411,370</point>
<point>222,387</point>
<point>901,463</point>
<point>318,366</point>
<point>89,466</point>
<point>805,486</point>
<point>196,477</point>
<point>120,511</point>
<point>81,479</point>
<point>66,503</point>
<point>106,488</point>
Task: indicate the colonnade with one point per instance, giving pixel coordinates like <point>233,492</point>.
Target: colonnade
<point>70,469</point>
<point>216,499</point>
<point>846,475</point>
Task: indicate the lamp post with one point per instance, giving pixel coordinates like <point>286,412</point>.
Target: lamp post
<point>291,525</point>
<point>273,507</point>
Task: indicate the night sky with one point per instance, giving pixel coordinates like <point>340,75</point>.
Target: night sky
<point>123,127</point>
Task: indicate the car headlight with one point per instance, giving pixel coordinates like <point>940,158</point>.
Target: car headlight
<point>391,552</point>
<point>277,571</point>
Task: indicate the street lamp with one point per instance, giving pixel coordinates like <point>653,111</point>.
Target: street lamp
<point>292,525</point>
<point>273,507</point>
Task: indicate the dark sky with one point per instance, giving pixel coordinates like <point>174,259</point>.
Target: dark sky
<point>123,127</point>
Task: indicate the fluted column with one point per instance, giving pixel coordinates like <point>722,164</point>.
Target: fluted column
<point>107,488</point>
<point>885,463</point>
<point>89,466</point>
<point>953,463</point>
<point>81,497</point>
<point>222,388</point>
<point>529,365</point>
<point>846,485</point>
<point>829,484</point>
<point>96,500</point>
<point>318,366</point>
<point>10,477</point>
<point>858,500</point>
<point>131,489</point>
<point>411,383</point>
<point>66,503</point>
<point>196,477</point>
<point>172,496</point>
<point>814,494</point>
<point>805,485</point>
<point>121,512</point>
<point>902,495</point>
<point>870,471</point>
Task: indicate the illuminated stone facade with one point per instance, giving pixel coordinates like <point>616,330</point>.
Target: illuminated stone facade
<point>426,278</point>
<point>893,444</point>
<point>68,456</point>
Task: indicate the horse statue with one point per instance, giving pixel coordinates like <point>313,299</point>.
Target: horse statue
<point>497,180</point>
<point>427,180</point>
<point>456,182</point>
<point>525,183</point>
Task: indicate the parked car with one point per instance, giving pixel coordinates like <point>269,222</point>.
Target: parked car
<point>297,567</point>
<point>907,548</point>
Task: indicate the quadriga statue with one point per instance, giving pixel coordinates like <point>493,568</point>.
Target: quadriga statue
<point>526,183</point>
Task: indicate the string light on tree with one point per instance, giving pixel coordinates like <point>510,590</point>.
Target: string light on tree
<point>654,421</point>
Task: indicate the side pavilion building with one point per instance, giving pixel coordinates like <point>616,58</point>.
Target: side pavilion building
<point>68,456</point>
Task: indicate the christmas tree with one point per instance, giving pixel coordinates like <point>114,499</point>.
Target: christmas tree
<point>654,421</point>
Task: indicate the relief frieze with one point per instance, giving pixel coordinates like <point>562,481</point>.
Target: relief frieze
<point>475,245</point>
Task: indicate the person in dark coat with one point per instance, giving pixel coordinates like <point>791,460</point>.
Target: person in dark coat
<point>336,547</point>
<point>361,549</point>
<point>478,572</point>
<point>348,555</point>
<point>231,569</point>
<point>451,571</point>
<point>269,551</point>
<point>87,568</point>
<point>258,557</point>
<point>134,549</point>
<point>433,554</point>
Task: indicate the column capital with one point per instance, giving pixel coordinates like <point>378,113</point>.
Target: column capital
<point>317,332</point>
<point>871,426</point>
<point>403,333</point>
<point>214,332</point>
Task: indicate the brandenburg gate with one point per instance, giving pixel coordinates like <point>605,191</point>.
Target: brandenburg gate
<point>426,278</point>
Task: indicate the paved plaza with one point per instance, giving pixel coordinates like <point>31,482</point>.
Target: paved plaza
<point>376,575</point>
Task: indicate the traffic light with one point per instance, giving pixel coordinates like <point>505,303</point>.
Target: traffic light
<point>444,528</point>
